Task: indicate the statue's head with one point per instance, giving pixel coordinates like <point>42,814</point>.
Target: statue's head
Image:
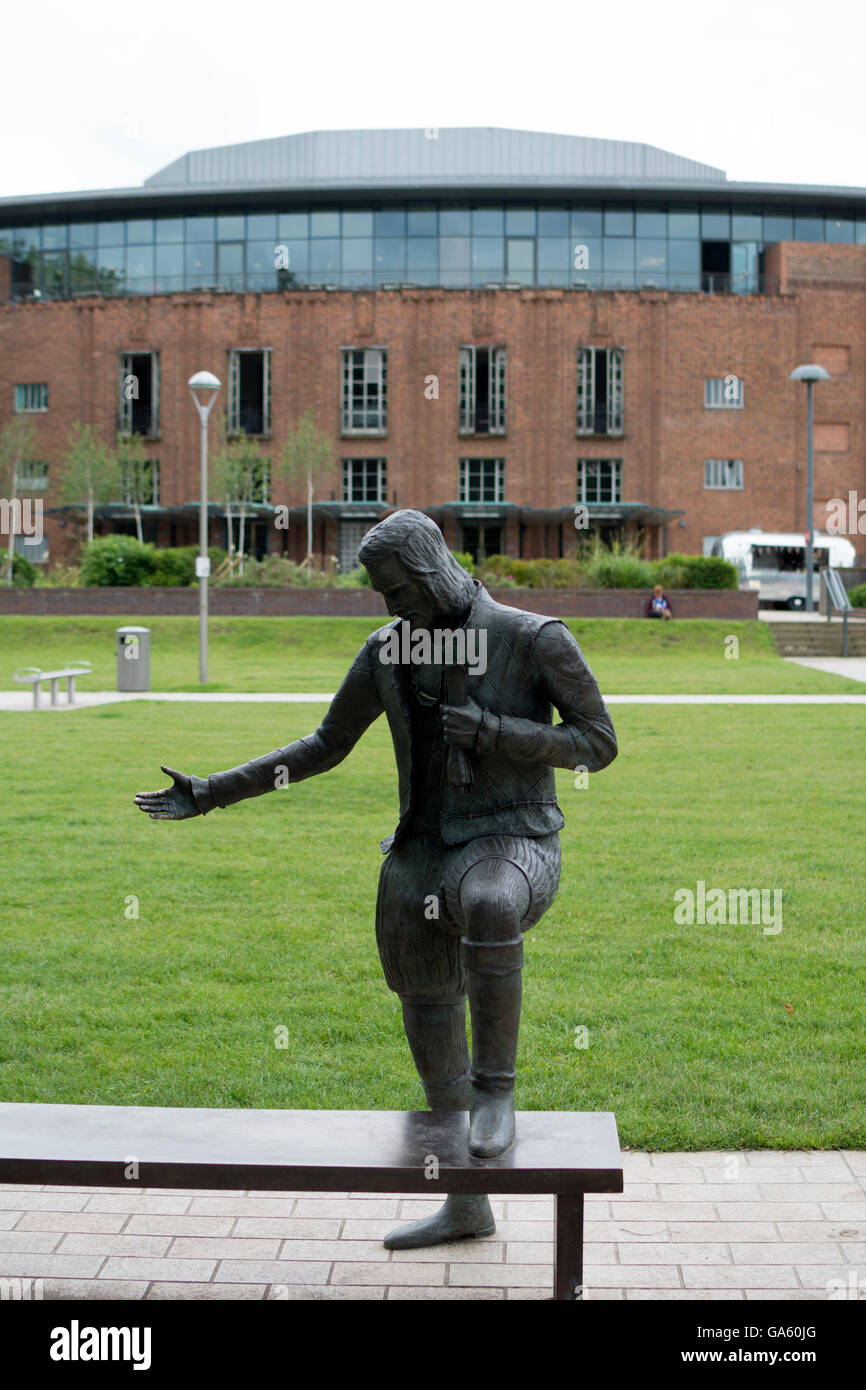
<point>412,568</point>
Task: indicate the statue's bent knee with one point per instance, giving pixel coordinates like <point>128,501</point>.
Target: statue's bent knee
<point>495,897</point>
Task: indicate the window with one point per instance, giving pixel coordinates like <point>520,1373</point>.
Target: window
<point>482,390</point>
<point>249,401</point>
<point>261,482</point>
<point>481,539</point>
<point>349,539</point>
<point>482,480</point>
<point>599,480</point>
<point>723,473</point>
<point>31,396</point>
<point>364,480</point>
<point>599,390</point>
<point>138,411</point>
<point>251,482</point>
<point>146,485</point>
<point>723,393</point>
<point>32,476</point>
<point>36,551</point>
<point>365,387</point>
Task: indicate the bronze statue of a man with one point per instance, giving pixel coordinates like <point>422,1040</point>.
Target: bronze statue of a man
<point>474,861</point>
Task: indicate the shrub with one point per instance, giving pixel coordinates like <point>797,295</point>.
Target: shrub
<point>279,572</point>
<point>858,596</point>
<point>694,572</point>
<point>113,560</point>
<point>24,572</point>
<point>616,567</point>
<point>465,559</point>
<point>60,577</point>
<point>175,567</point>
<point>354,579</point>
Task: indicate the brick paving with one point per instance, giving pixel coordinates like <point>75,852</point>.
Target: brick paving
<point>732,1226</point>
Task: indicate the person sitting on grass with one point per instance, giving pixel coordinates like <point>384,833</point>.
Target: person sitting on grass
<point>659,605</point>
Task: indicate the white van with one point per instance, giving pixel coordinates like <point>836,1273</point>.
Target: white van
<point>774,562</point>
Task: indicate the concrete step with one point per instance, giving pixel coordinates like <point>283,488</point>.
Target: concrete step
<point>818,638</point>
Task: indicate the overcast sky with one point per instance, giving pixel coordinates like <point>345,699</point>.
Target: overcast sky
<point>100,95</point>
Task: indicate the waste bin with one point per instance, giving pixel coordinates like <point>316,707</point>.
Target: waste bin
<point>133,658</point>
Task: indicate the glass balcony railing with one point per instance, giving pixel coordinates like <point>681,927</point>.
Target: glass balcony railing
<point>100,284</point>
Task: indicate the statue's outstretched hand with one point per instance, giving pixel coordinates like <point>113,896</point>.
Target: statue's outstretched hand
<point>172,803</point>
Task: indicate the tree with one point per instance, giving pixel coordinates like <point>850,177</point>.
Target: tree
<point>17,445</point>
<point>91,473</point>
<point>307,455</point>
<point>240,475</point>
<point>136,475</point>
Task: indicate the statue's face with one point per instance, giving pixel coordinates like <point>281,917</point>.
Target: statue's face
<point>404,596</point>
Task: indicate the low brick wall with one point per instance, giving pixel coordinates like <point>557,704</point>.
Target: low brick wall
<point>727,604</point>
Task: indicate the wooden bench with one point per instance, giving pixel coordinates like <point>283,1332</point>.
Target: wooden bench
<point>33,676</point>
<point>567,1154</point>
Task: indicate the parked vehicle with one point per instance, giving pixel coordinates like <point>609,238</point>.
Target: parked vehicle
<point>774,562</point>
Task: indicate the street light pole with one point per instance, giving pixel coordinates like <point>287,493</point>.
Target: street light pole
<point>810,373</point>
<point>203,388</point>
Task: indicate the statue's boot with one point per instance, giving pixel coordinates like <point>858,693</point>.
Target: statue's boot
<point>464,1216</point>
<point>495,983</point>
<point>436,1032</point>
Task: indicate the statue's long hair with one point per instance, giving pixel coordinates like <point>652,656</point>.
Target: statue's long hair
<point>420,547</point>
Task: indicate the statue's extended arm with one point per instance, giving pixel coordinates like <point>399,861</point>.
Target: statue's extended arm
<point>353,708</point>
<point>586,736</point>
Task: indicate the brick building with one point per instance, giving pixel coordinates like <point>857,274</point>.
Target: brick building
<point>492,326</point>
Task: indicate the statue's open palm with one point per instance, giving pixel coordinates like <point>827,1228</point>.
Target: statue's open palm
<point>172,803</point>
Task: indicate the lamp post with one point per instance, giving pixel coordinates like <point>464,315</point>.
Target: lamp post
<point>203,389</point>
<point>809,373</point>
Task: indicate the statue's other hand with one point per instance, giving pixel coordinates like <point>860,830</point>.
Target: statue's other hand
<point>460,723</point>
<point>172,803</point>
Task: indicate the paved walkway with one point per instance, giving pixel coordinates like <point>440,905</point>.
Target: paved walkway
<point>734,1226</point>
<point>854,667</point>
<point>17,700</point>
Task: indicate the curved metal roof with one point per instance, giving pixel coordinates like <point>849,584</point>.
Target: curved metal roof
<point>450,155</point>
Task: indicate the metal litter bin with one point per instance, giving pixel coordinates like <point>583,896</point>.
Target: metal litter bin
<point>133,658</point>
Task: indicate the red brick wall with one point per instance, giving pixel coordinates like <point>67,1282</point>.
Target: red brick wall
<point>727,604</point>
<point>672,342</point>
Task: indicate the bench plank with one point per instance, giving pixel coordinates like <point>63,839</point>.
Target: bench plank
<point>311,1150</point>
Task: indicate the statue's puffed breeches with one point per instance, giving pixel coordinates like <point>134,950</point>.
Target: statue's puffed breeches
<point>428,900</point>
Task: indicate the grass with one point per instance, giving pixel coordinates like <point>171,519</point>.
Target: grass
<point>627,655</point>
<point>261,916</point>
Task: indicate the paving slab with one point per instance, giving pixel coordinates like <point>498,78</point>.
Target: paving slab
<point>726,1226</point>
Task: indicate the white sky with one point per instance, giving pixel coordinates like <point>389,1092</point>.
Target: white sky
<point>100,95</point>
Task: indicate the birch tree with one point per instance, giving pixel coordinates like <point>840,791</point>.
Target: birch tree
<point>306,457</point>
<point>90,472</point>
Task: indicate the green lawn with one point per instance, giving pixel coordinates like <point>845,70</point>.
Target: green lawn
<point>262,916</point>
<point>627,655</point>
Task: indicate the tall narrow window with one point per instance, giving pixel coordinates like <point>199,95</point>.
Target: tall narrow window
<point>142,488</point>
<point>482,480</point>
<point>723,473</point>
<point>599,480</point>
<point>32,477</point>
<point>600,390</point>
<point>723,393</point>
<point>365,390</point>
<point>364,480</point>
<point>482,390</point>
<point>249,395</point>
<point>31,396</point>
<point>138,411</point>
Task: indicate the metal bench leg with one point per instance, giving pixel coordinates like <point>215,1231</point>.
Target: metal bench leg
<point>70,690</point>
<point>35,694</point>
<point>568,1247</point>
<point>54,692</point>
